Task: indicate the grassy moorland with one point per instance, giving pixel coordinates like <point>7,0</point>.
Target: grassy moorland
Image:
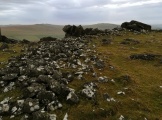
<point>143,96</point>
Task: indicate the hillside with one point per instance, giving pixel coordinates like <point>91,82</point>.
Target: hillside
<point>35,32</point>
<point>110,77</point>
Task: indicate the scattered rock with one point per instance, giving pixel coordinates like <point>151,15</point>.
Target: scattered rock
<point>108,98</point>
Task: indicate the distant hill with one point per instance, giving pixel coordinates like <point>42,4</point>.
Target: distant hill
<point>32,32</point>
<point>102,26</point>
<point>156,26</point>
<point>37,31</point>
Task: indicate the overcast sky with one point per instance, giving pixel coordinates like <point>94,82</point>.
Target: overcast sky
<point>79,11</point>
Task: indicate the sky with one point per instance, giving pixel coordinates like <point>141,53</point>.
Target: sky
<point>79,11</point>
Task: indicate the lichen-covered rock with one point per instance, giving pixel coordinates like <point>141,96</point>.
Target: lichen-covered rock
<point>89,90</point>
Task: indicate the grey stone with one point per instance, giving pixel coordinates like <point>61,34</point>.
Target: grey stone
<point>9,77</point>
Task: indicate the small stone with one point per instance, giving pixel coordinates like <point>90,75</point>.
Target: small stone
<point>52,116</point>
<point>121,93</point>
<point>36,107</point>
<point>121,117</point>
<point>30,103</point>
<point>103,79</point>
<point>32,109</point>
<point>5,107</point>
<point>65,117</point>
<point>14,109</point>
<point>20,102</point>
<point>12,116</point>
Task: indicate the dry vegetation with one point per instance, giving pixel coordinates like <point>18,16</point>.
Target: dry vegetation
<point>143,95</point>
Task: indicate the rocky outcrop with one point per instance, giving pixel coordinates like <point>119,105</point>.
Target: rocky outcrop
<point>136,26</point>
<point>77,31</point>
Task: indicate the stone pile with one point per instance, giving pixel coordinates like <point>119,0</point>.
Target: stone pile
<point>77,31</point>
<point>42,73</point>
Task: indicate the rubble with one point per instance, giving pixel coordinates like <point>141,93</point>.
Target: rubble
<point>39,73</point>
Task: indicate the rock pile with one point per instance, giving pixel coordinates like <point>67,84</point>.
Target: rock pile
<point>78,31</point>
<point>136,26</point>
<point>42,73</point>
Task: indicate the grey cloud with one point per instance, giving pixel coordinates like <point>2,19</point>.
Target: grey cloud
<point>78,11</point>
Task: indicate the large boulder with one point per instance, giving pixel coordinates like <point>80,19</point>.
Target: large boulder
<point>75,31</point>
<point>136,26</point>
